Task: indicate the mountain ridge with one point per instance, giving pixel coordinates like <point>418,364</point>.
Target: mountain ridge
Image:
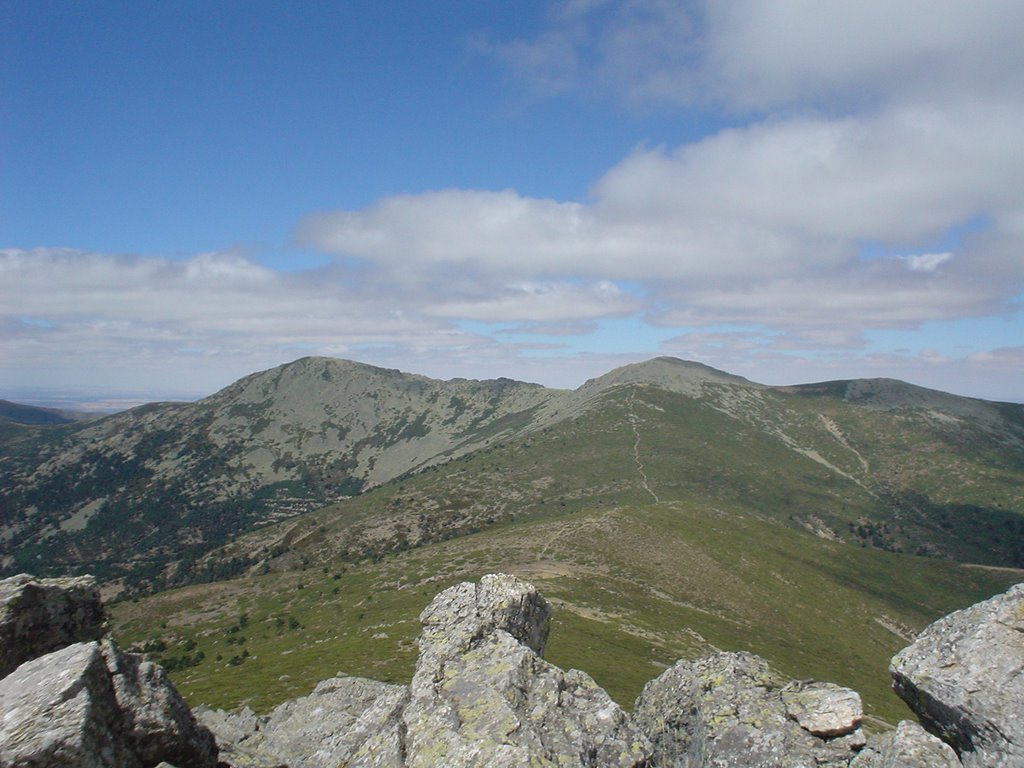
<point>173,481</point>
<point>19,413</point>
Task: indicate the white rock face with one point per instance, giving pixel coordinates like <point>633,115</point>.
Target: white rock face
<point>964,677</point>
<point>823,709</point>
<point>90,706</point>
<point>42,615</point>
<point>909,746</point>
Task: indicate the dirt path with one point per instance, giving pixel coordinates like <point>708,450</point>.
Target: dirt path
<point>634,420</point>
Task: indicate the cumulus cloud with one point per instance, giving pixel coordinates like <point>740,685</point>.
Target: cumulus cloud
<point>453,227</point>
<point>79,315</point>
<point>86,311</point>
<point>759,54</point>
<point>755,225</point>
<point>864,123</point>
<point>763,52</point>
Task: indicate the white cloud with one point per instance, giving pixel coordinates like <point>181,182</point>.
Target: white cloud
<point>899,175</point>
<point>754,225</point>
<point>927,262</point>
<point>541,302</point>
<point>758,54</point>
<point>454,227</point>
<point>893,125</point>
<point>91,313</point>
<point>770,52</point>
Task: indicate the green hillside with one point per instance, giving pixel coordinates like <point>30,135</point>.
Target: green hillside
<point>143,498</point>
<point>634,588</point>
<point>662,521</point>
<point>904,483</point>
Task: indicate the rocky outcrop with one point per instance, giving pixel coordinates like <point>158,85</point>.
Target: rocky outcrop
<point>964,677</point>
<point>155,721</point>
<point>344,721</point>
<point>38,616</point>
<point>909,746</point>
<point>730,709</point>
<point>482,695</point>
<point>86,704</point>
<point>90,706</point>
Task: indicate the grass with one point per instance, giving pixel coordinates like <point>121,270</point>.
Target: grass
<point>633,588</point>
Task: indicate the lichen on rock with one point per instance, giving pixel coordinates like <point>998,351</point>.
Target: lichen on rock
<point>964,678</point>
<point>731,709</point>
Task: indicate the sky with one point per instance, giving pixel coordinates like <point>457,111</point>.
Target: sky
<point>788,190</point>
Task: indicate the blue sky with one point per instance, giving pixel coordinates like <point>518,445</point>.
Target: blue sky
<point>790,191</point>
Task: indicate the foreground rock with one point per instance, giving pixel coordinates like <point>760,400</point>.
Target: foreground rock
<point>909,746</point>
<point>90,706</point>
<point>38,616</point>
<point>964,677</point>
<point>482,695</point>
<point>731,710</point>
<point>69,699</point>
<point>345,721</point>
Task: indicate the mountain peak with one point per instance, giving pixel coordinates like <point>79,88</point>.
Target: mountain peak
<point>671,373</point>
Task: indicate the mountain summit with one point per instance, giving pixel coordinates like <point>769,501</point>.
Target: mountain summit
<point>668,373</point>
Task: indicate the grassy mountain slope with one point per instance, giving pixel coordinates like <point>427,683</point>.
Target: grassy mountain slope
<point>634,587</point>
<point>905,482</point>
<point>145,494</point>
<point>166,482</point>
<point>665,510</point>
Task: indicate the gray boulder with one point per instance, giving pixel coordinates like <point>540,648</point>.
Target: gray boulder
<point>90,706</point>
<point>467,612</point>
<point>909,746</point>
<point>823,709</point>
<point>235,733</point>
<point>481,694</point>
<point>501,705</point>
<point>730,709</point>
<point>344,721</point>
<point>38,616</point>
<point>964,678</point>
<point>156,721</point>
<point>60,710</point>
